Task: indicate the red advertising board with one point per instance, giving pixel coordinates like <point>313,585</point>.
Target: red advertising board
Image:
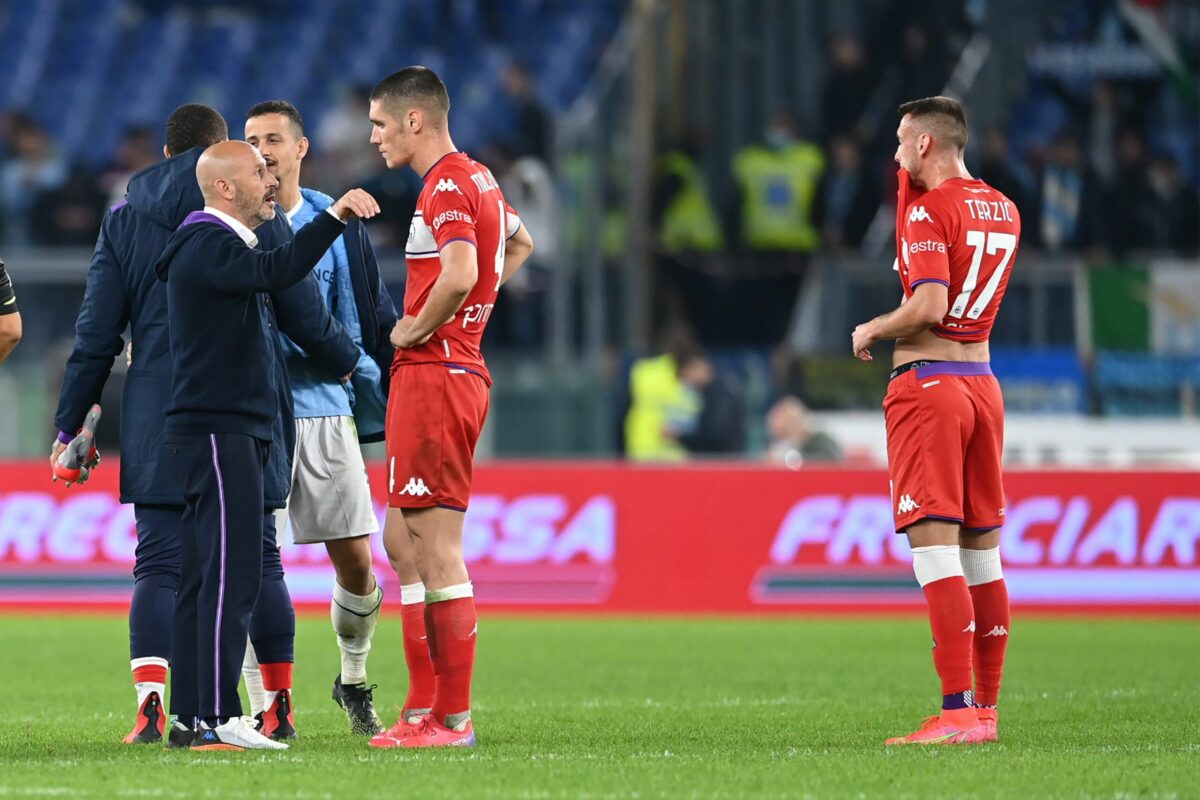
<point>697,539</point>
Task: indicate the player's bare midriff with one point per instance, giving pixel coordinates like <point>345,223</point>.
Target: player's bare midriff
<point>928,346</point>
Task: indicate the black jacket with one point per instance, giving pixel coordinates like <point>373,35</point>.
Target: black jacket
<point>224,354</point>
<point>123,290</point>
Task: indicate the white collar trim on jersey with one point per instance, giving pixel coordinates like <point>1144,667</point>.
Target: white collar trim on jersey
<point>291,214</point>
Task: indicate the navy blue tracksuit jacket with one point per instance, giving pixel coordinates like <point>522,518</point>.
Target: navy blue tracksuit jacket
<point>123,290</point>
<point>217,439</point>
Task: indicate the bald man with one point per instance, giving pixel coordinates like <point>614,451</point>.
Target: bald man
<point>217,433</point>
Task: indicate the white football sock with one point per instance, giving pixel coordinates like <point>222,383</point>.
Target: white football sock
<point>936,562</point>
<point>252,676</point>
<point>145,688</point>
<point>981,566</point>
<point>354,617</point>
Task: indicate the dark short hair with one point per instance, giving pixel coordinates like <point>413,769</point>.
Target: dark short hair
<point>945,113</point>
<point>194,125</point>
<point>279,107</point>
<point>413,86</point>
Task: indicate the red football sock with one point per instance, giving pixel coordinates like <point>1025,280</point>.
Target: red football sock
<point>992,621</point>
<point>951,617</point>
<point>276,677</point>
<point>421,682</point>
<point>150,673</point>
<point>452,626</point>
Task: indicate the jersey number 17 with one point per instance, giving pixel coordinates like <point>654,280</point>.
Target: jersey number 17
<point>991,243</point>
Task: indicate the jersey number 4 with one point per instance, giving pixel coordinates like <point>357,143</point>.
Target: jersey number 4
<point>500,247</point>
<point>992,243</point>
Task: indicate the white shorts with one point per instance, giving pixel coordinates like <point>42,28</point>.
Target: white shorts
<point>330,496</point>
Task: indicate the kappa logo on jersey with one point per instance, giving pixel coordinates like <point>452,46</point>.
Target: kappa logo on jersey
<point>918,214</point>
<point>999,630</point>
<point>415,487</point>
<point>446,185</point>
<point>906,504</point>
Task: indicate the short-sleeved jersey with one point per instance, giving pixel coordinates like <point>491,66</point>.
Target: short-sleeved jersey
<point>964,235</point>
<point>460,202</point>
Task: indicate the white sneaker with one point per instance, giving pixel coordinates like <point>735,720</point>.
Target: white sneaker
<point>238,733</point>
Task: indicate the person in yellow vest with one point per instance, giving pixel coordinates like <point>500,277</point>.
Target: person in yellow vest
<point>687,220</point>
<point>778,184</point>
<point>665,401</point>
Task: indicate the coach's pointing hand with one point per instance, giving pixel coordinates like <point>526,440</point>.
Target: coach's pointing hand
<point>355,203</point>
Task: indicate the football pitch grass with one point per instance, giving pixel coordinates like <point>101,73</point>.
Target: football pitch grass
<point>626,708</point>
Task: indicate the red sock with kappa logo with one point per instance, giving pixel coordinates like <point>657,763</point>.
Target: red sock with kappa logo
<point>952,619</point>
<point>421,683</point>
<point>993,617</point>
<point>452,626</point>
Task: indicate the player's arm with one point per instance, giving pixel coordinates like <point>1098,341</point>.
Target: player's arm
<point>238,270</point>
<point>302,315</point>
<point>516,252</point>
<point>10,317</point>
<point>460,272</point>
<point>99,328</point>
<point>927,259</point>
<point>926,308</point>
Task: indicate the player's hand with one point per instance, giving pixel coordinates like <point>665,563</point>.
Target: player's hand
<point>56,450</point>
<point>402,335</point>
<point>346,378</point>
<point>129,354</point>
<point>356,203</point>
<point>861,341</point>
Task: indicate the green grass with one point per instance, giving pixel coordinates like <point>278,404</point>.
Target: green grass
<point>646,709</point>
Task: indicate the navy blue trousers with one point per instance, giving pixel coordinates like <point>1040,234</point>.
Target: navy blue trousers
<point>156,580</point>
<point>221,536</point>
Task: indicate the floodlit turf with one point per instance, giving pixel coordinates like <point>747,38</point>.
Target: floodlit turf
<point>645,709</point>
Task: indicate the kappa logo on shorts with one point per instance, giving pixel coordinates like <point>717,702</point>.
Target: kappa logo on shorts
<point>906,505</point>
<point>415,487</point>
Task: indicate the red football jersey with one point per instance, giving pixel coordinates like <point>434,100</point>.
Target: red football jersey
<point>460,202</point>
<point>963,234</point>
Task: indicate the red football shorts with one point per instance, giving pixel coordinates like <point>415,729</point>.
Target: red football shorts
<point>434,417</point>
<point>945,440</point>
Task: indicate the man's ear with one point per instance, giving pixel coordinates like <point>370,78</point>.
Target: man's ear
<point>166,152</point>
<point>302,147</point>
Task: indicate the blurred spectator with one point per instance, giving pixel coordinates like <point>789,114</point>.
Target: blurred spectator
<point>69,215</point>
<point>1104,120</point>
<point>847,86</point>
<point>532,131</point>
<point>997,172</point>
<point>137,150</point>
<point>721,427</point>
<point>791,439</point>
<point>35,167</point>
<point>343,141</point>
<point>848,198</point>
<point>1130,203</point>
<point>1068,198</point>
<point>687,220</point>
<point>778,182</point>
<point>520,317</point>
<point>663,409</point>
<point>1174,215</point>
